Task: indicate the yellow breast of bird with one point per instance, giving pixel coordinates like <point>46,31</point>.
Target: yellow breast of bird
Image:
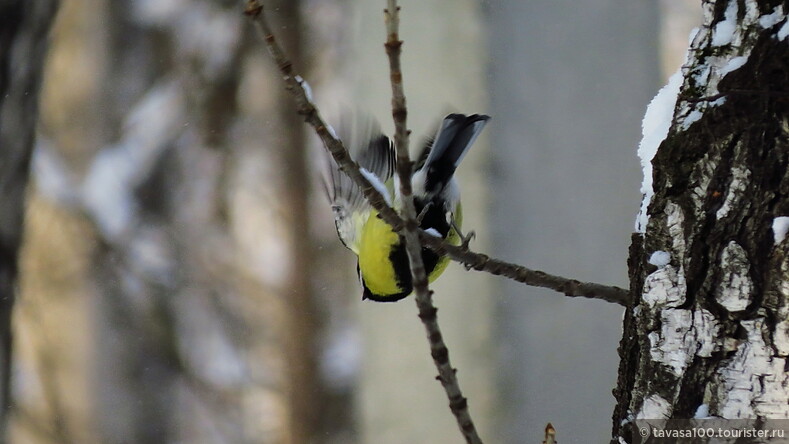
<point>377,243</point>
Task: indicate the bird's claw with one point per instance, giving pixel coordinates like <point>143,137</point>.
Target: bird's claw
<point>465,240</point>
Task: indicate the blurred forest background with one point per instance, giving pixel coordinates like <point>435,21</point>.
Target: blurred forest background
<point>181,280</point>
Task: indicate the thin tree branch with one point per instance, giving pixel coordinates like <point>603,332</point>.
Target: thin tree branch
<point>550,434</point>
<point>304,106</point>
<point>422,294</point>
<point>480,262</point>
<point>535,278</point>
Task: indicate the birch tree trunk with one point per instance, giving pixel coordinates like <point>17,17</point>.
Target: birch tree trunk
<point>24,27</point>
<point>710,266</point>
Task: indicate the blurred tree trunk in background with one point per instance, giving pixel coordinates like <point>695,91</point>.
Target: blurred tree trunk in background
<point>302,385</point>
<point>158,195</point>
<point>569,86</point>
<point>707,333</point>
<point>24,31</point>
<point>181,300</point>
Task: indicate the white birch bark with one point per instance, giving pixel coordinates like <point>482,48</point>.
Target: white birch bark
<point>707,329</point>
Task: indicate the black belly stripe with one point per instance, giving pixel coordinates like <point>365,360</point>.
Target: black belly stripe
<point>399,259</point>
<point>434,218</point>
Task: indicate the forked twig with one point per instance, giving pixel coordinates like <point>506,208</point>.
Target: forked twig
<point>422,294</point>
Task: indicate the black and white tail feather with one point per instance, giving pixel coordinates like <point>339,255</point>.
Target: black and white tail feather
<point>443,153</point>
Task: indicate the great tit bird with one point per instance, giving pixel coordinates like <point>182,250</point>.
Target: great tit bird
<point>382,260</point>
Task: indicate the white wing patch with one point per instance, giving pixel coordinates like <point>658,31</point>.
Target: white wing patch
<point>377,184</point>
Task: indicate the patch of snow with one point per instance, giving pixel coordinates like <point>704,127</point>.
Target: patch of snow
<point>718,102</point>
<point>702,412</point>
<point>770,20</point>
<point>705,76</point>
<point>698,38</point>
<point>736,288</point>
<point>660,258</point>
<point>654,129</point>
<point>733,65</point>
<point>333,133</point>
<point>703,70</point>
<point>780,228</point>
<point>691,118</point>
<point>306,87</point>
<point>724,30</point>
<point>783,32</point>
<point>654,407</point>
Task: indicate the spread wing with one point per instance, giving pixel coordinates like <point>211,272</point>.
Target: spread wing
<point>375,154</point>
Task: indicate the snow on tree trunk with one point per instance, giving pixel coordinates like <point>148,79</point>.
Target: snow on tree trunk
<point>709,266</point>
